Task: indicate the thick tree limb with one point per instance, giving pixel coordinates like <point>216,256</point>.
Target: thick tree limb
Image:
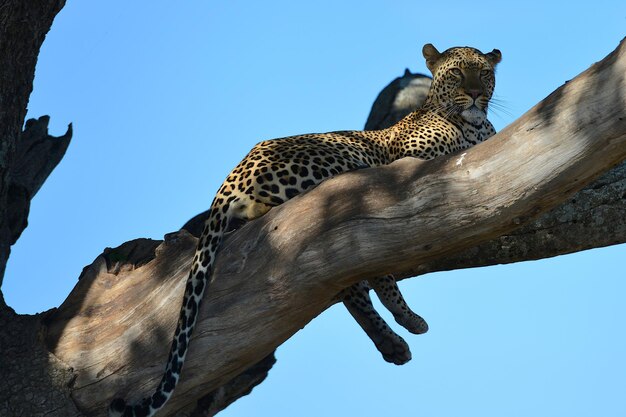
<point>595,217</point>
<point>114,328</point>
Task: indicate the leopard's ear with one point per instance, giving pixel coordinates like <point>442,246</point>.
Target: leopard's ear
<point>432,55</point>
<point>494,57</point>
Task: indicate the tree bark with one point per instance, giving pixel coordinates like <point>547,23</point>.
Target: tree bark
<point>114,328</point>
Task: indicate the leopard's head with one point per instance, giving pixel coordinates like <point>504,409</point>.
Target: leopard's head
<point>463,80</point>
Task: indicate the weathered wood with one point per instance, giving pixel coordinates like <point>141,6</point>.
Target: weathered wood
<point>595,217</point>
<point>277,273</point>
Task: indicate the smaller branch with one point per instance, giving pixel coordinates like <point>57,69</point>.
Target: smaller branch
<point>37,154</point>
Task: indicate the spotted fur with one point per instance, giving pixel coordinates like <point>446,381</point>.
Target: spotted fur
<point>452,118</point>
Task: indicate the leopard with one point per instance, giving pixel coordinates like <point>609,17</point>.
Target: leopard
<point>452,118</point>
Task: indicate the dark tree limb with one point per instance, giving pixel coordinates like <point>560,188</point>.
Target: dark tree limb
<point>23,27</point>
<point>37,154</point>
<point>33,381</point>
<point>114,328</point>
<point>241,385</point>
<point>396,100</point>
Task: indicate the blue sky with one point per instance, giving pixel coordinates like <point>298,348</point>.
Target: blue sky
<point>166,98</point>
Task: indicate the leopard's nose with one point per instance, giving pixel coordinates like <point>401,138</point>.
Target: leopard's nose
<point>474,93</point>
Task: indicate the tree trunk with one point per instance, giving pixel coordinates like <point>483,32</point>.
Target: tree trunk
<point>112,333</point>
<point>23,27</point>
<point>33,380</point>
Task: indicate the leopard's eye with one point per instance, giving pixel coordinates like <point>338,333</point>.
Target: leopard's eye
<point>485,72</point>
<point>456,71</point>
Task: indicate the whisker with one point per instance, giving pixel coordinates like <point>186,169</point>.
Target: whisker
<point>497,108</point>
<point>500,103</point>
<point>501,114</point>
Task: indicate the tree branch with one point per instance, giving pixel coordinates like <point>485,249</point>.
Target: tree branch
<point>593,218</point>
<point>412,216</point>
<point>37,154</point>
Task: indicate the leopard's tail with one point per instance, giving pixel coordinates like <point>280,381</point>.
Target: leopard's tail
<point>198,280</point>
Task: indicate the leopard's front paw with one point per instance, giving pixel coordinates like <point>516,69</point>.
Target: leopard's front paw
<point>394,349</point>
